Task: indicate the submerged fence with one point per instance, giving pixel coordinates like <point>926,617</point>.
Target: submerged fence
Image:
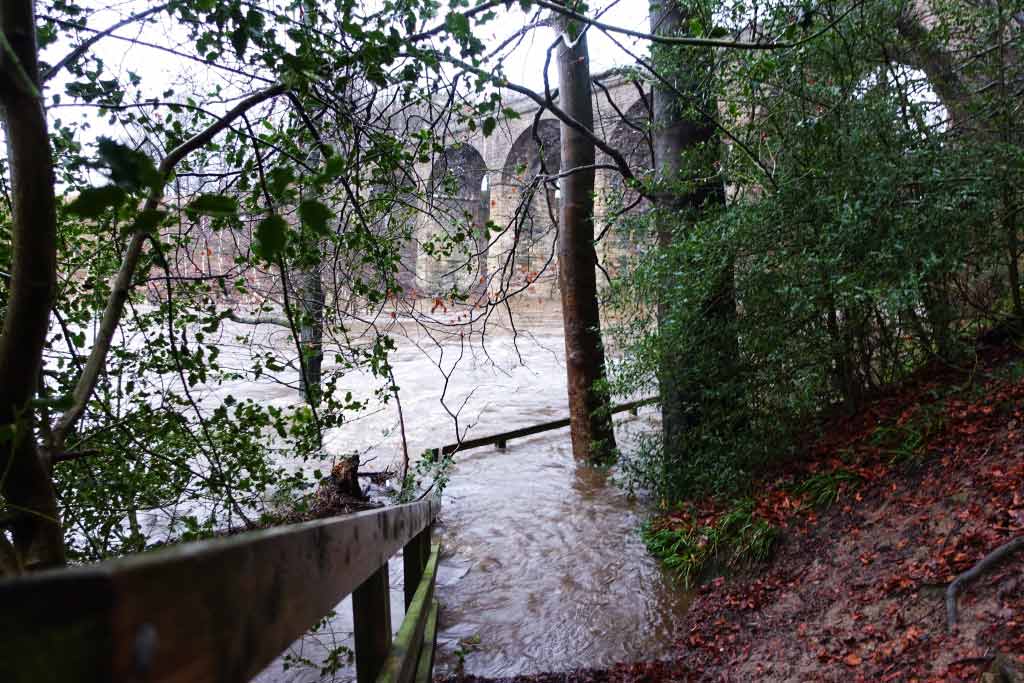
<point>501,440</point>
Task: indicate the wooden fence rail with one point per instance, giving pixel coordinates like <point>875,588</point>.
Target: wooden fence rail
<point>221,610</point>
<point>501,440</point>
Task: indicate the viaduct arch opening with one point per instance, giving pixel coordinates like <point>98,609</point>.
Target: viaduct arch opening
<point>458,209</point>
<point>535,203</point>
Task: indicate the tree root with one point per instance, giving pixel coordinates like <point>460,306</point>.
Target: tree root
<point>1003,670</point>
<point>986,563</point>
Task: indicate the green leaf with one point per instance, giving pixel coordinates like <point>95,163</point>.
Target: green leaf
<point>315,215</point>
<point>271,236</point>
<point>280,177</point>
<point>240,39</point>
<point>93,201</point>
<point>213,205</point>
<point>147,221</point>
<point>334,167</point>
<point>489,124</point>
<point>457,24</point>
<point>129,169</point>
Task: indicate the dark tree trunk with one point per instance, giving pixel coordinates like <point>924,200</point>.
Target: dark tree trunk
<point>26,485</point>
<point>593,438</point>
<point>311,331</point>
<point>311,324</point>
<point>675,131</point>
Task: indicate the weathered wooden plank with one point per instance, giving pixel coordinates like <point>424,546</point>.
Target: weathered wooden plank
<point>501,440</point>
<point>217,610</point>
<point>425,666</point>
<point>371,616</point>
<point>400,666</point>
<point>414,559</point>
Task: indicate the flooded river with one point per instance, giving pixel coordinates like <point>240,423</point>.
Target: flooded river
<point>542,568</point>
<point>545,570</point>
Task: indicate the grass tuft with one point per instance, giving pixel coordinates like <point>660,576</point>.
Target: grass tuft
<point>735,538</point>
<point>825,488</point>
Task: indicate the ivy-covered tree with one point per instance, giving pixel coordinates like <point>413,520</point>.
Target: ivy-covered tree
<point>871,162</point>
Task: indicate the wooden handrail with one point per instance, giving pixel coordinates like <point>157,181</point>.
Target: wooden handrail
<point>501,440</point>
<point>217,610</point>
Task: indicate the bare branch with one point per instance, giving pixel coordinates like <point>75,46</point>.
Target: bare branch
<point>76,54</point>
<point>690,41</point>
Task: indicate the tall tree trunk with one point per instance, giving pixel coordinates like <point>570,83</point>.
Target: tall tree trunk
<point>24,471</point>
<point>311,331</point>
<point>590,417</point>
<point>676,130</point>
<point>311,305</point>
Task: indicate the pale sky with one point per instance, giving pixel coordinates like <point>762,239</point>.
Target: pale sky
<point>160,70</point>
<point>527,63</point>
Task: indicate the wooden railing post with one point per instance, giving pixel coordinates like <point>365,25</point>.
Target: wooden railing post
<point>414,559</point>
<point>371,614</point>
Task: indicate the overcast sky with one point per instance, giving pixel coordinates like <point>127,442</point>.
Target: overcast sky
<point>160,70</point>
<point>527,63</point>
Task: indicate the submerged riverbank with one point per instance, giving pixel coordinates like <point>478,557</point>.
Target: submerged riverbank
<point>911,492</point>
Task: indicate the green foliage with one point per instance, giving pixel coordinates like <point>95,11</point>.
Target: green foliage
<point>271,236</point>
<point>430,473</point>
<point>213,205</point>
<point>334,657</point>
<point>905,441</point>
<point>865,234</point>
<point>92,202</point>
<point>690,549</point>
<point>312,183</point>
<point>315,216</point>
<point>128,168</point>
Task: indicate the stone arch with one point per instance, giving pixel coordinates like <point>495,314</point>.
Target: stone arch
<point>631,136</point>
<point>533,206</point>
<point>458,199</point>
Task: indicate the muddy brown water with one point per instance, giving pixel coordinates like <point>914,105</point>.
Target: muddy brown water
<point>543,568</point>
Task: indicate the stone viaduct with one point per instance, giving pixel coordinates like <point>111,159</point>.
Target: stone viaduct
<point>500,179</point>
